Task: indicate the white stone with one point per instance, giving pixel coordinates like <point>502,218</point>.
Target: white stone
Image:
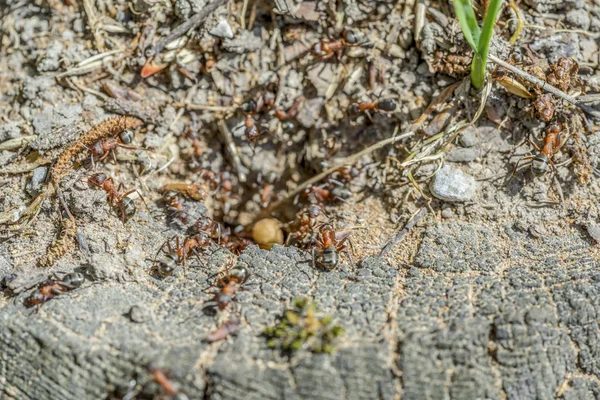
<point>222,30</point>
<point>453,185</point>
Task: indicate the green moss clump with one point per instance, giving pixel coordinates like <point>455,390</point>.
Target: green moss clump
<point>304,327</point>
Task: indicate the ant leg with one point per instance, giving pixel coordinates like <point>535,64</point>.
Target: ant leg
<point>518,162</point>
<point>103,156</point>
<point>114,157</point>
<point>535,146</point>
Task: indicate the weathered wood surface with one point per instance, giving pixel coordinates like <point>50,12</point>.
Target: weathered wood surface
<point>484,312</point>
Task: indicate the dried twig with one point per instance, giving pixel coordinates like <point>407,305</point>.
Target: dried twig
<point>545,86</point>
<point>182,29</point>
<point>232,150</point>
<point>400,235</point>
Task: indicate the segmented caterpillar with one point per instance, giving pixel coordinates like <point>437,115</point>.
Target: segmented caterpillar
<point>110,127</point>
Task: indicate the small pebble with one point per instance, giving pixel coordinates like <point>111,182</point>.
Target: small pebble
<point>37,180</point>
<point>594,231</point>
<point>579,18</point>
<point>463,155</point>
<point>222,30</point>
<point>468,138</point>
<point>140,313</point>
<point>451,184</point>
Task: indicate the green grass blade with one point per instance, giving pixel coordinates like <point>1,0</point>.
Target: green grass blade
<point>477,71</point>
<point>468,22</point>
<point>489,21</point>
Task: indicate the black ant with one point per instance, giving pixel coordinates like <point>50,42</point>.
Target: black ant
<point>124,203</point>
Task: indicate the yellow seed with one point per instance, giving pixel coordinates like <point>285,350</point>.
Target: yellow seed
<point>267,232</point>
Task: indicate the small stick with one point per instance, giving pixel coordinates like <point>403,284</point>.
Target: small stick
<point>347,161</point>
<point>545,86</point>
<point>181,30</point>
<point>232,150</point>
<point>400,235</point>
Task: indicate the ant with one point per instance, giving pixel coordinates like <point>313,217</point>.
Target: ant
<point>265,195</point>
<point>224,330</point>
<point>51,288</point>
<point>304,224</point>
<point>251,107</point>
<point>381,105</point>
<point>125,204</point>
<point>180,253</point>
<point>543,158</point>
<point>230,285</point>
<point>291,112</point>
<point>327,193</point>
<point>327,48</point>
<point>191,190</point>
<point>104,147</point>
<point>328,245</point>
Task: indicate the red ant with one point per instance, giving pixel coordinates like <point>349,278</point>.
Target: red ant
<point>251,107</point>
<point>327,193</point>
<point>381,105</point>
<point>291,113</point>
<point>543,158</point>
<point>224,330</point>
<point>230,286</point>
<point>304,224</point>
<point>327,48</point>
<point>178,255</point>
<point>51,288</point>
<point>328,245</point>
<point>122,201</point>
<point>265,195</point>
<point>191,190</point>
<point>104,147</point>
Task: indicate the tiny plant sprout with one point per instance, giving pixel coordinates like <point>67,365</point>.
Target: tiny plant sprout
<point>479,39</point>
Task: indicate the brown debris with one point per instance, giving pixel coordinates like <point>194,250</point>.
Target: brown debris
<point>68,229</point>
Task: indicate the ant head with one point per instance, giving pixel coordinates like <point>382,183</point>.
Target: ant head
<point>97,179</point>
<point>126,136</point>
<point>354,108</point>
<point>540,163</point>
<point>249,106</point>
<point>386,105</point>
<point>555,128</point>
